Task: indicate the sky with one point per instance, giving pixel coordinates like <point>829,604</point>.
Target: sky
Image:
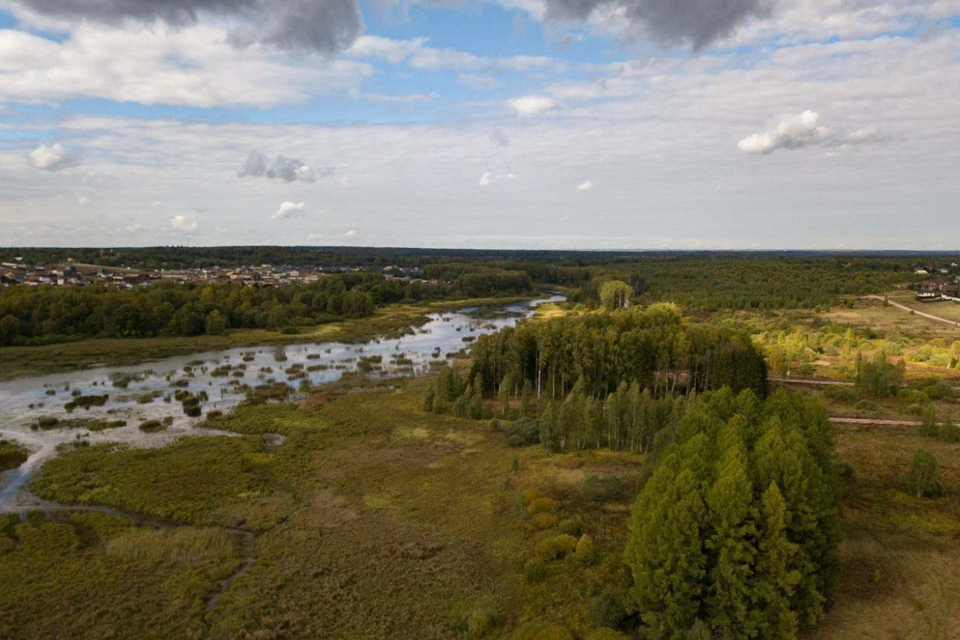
<point>538,124</point>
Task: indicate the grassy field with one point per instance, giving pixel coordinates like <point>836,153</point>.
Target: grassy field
<point>388,321</point>
<point>373,519</point>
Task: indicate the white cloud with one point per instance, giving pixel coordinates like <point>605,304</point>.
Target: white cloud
<point>182,223</point>
<point>586,185</point>
<point>804,130</point>
<point>793,132</point>
<point>288,210</point>
<point>82,200</point>
<point>52,158</point>
<point>488,178</point>
<point>193,66</point>
<point>350,233</point>
<point>315,237</point>
<point>532,105</point>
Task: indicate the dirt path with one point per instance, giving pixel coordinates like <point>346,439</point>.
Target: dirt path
<point>875,422</point>
<point>922,314</point>
<point>812,382</point>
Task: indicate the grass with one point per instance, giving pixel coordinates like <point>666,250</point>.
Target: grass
<point>374,520</point>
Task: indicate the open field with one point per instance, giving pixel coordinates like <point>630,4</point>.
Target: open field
<point>374,519</point>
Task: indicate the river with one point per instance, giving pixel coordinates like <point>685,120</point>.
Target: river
<point>44,414</point>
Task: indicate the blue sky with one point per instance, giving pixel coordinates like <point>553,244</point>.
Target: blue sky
<point>481,123</point>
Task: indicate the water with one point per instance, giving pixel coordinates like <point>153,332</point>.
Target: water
<point>148,394</point>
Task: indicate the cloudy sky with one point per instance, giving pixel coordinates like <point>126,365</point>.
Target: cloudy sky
<point>589,124</point>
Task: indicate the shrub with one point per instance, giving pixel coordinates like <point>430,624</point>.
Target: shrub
<point>535,570</point>
<point>924,478</point>
<point>607,610</point>
<point>841,394</point>
<point>541,631</point>
<point>912,396</point>
<point>585,553</point>
<point>949,432</point>
<point>844,470</point>
<point>928,425</point>
<point>867,405</point>
<point>556,547</point>
<point>608,489</point>
<point>532,494</point>
<point>571,526</point>
<point>151,426</point>
<point>47,422</point>
<point>523,432</point>
<point>545,520</point>
<point>605,634</point>
<point>541,505</point>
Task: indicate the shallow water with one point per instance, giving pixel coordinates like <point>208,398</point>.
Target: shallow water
<point>149,390</point>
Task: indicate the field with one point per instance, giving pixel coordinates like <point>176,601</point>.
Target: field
<point>373,519</point>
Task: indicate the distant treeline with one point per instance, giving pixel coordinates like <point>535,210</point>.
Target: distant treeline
<point>703,281</point>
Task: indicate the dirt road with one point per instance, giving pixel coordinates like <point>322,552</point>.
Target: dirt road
<point>922,314</point>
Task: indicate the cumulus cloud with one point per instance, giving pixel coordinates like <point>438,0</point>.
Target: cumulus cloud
<point>53,157</point>
<point>803,130</point>
<point>288,210</point>
<point>350,233</point>
<point>697,23</point>
<point>182,223</point>
<point>282,168</point>
<point>324,26</point>
<point>532,105</point>
<point>586,185</point>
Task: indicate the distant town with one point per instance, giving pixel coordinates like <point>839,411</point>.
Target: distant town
<point>71,274</point>
<point>943,286</point>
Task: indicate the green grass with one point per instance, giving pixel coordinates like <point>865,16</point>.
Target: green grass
<point>375,520</point>
<point>12,455</point>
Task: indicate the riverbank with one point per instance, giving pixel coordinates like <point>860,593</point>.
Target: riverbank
<point>388,321</point>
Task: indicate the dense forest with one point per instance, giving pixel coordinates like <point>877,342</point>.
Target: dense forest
<point>734,534</point>
<point>599,351</point>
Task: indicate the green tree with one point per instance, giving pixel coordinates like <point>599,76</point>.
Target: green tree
<point>9,330</point>
<point>924,478</point>
<point>215,324</point>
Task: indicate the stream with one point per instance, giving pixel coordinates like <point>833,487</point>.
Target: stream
<point>153,404</point>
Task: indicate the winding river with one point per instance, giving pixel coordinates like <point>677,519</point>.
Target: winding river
<point>141,405</point>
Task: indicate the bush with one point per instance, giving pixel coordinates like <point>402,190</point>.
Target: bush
<point>867,405</point>
<point>541,505</point>
<point>607,610</point>
<point>912,396</point>
<point>841,394</point>
<point>605,634</point>
<point>532,494</point>
<point>608,489</point>
<point>571,526</point>
<point>924,479</point>
<point>523,432</point>
<point>949,432</point>
<point>541,631</point>
<point>545,520</point>
<point>535,570</point>
<point>585,553</point>
<point>556,547</point>
<point>151,426</point>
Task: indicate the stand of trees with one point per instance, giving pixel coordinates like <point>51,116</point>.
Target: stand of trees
<point>653,347</point>
<point>39,315</point>
<point>734,534</point>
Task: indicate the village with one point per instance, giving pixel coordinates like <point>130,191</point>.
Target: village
<point>945,285</point>
<point>70,274</point>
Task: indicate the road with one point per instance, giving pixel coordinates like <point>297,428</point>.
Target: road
<point>922,314</point>
<point>875,422</point>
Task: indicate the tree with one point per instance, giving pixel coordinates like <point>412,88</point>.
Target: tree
<point>9,330</point>
<point>924,478</point>
<point>928,423</point>
<point>615,294</point>
<point>215,324</point>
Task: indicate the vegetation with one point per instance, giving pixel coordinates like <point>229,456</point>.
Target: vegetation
<point>924,479</point>
<point>736,528</point>
<point>12,455</point>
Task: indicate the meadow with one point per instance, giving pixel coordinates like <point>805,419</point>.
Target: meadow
<point>373,519</point>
